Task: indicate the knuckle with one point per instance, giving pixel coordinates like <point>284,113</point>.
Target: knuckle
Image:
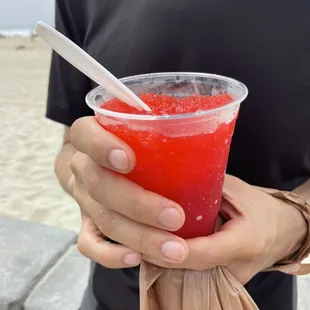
<point>97,184</point>
<point>135,206</point>
<point>143,242</point>
<point>105,221</point>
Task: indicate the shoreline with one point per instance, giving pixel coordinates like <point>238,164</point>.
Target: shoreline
<point>17,33</point>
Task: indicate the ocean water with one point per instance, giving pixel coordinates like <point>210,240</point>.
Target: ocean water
<point>19,17</point>
<point>16,33</point>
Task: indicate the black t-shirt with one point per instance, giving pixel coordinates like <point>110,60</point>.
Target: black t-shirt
<point>265,44</point>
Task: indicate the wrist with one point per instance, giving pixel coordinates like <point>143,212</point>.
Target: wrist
<point>295,213</point>
<point>298,231</point>
<point>294,227</point>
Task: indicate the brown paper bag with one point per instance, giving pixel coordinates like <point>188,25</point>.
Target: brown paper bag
<point>173,289</point>
<point>216,289</point>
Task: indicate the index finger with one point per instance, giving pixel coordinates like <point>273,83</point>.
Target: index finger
<point>104,148</point>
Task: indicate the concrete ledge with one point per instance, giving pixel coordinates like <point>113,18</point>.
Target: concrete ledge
<point>63,287</point>
<point>27,251</point>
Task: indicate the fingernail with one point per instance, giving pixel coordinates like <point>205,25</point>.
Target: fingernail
<point>174,250</point>
<point>132,259</point>
<point>118,159</point>
<point>170,218</point>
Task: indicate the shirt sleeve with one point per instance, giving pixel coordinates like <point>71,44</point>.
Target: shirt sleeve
<point>67,86</point>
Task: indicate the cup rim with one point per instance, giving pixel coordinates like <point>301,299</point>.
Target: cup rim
<point>119,115</point>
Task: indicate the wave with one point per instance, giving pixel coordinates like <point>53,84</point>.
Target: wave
<point>17,33</point>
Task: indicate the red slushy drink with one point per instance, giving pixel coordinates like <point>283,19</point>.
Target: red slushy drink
<point>182,146</point>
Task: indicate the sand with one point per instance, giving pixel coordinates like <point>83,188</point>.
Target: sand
<point>29,142</point>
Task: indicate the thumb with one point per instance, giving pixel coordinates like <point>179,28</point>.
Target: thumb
<point>218,249</point>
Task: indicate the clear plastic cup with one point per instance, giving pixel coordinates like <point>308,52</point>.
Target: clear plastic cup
<point>182,157</point>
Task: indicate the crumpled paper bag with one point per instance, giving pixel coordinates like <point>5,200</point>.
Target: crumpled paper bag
<point>216,289</point>
<point>178,289</point>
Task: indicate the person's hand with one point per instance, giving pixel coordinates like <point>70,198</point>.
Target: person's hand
<point>259,231</point>
<point>113,206</point>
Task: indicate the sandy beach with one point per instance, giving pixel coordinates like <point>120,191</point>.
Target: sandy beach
<point>29,142</point>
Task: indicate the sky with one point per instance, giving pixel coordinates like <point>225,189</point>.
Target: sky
<point>26,16</point>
